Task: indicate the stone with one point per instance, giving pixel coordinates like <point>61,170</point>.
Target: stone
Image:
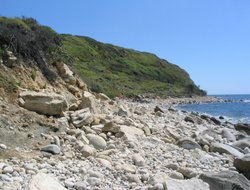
<point>228,180</point>
<point>242,144</point>
<point>87,151</point>
<point>193,119</point>
<point>52,148</point>
<point>216,121</point>
<point>43,103</point>
<point>97,141</point>
<point>65,72</point>
<point>176,175</point>
<point>187,172</point>
<point>158,109</point>
<point>243,165</point>
<point>88,101</point>
<point>138,160</point>
<point>133,178</point>
<point>3,146</point>
<point>190,184</point>
<point>159,177</point>
<point>228,135</point>
<point>125,167</point>
<point>129,132</point>
<point>243,127</point>
<point>82,117</point>
<point>103,97</point>
<point>8,170</point>
<point>73,89</point>
<point>189,144</point>
<point>223,148</point>
<point>81,186</point>
<point>43,181</point>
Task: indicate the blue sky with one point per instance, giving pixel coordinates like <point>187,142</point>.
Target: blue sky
<point>208,38</point>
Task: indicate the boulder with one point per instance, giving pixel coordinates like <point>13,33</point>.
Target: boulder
<point>43,103</point>
<point>158,109</point>
<point>52,148</point>
<point>216,121</point>
<point>223,148</point>
<point>65,73</point>
<point>243,165</point>
<point>228,180</point>
<point>97,141</point>
<point>228,135</point>
<point>82,117</point>
<point>88,101</point>
<point>88,151</point>
<point>193,119</point>
<point>243,127</point>
<point>43,181</point>
<point>189,144</point>
<point>190,184</point>
<point>242,144</point>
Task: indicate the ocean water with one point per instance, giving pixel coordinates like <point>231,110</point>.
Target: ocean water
<point>236,111</point>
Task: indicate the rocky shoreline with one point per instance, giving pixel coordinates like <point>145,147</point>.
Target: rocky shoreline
<point>66,137</point>
<point>131,145</point>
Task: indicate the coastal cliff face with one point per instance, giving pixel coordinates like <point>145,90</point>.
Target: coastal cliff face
<point>106,68</point>
<point>56,132</point>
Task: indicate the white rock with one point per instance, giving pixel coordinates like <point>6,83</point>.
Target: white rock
<point>191,184</point>
<point>138,160</point>
<point>43,102</point>
<point>97,141</point>
<point>43,181</point>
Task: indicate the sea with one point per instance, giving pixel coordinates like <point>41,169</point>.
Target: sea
<point>235,110</point>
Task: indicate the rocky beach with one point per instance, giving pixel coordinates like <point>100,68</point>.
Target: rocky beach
<point>58,133</point>
<point>98,143</point>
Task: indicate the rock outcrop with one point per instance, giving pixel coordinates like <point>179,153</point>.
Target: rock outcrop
<point>43,103</point>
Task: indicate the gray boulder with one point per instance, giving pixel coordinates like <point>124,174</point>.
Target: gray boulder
<point>243,127</point>
<point>189,144</point>
<point>82,117</point>
<point>43,103</point>
<point>190,184</point>
<point>224,148</point>
<point>242,144</point>
<point>243,165</point>
<point>52,148</point>
<point>227,180</point>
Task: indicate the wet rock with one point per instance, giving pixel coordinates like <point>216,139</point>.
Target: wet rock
<point>226,180</point>
<point>43,103</point>
<point>216,121</point>
<point>243,165</point>
<point>52,148</point>
<point>243,127</point>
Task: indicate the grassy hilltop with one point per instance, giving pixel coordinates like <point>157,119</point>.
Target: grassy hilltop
<point>104,67</point>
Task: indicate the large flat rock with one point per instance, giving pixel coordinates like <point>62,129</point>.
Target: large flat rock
<point>43,102</point>
<point>227,180</point>
<point>43,181</point>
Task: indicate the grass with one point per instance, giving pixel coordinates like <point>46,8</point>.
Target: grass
<point>115,70</point>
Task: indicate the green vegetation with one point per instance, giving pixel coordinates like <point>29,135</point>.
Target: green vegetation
<point>9,84</point>
<point>104,67</point>
<point>119,71</point>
